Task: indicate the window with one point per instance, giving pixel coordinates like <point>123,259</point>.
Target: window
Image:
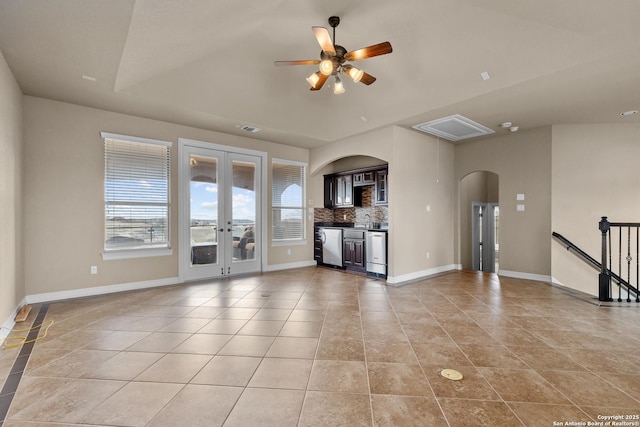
<point>287,200</point>
<point>136,196</point>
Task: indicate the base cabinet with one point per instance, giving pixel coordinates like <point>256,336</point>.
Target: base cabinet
<point>353,250</point>
<point>317,245</point>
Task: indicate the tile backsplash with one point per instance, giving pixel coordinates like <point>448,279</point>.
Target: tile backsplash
<point>354,214</point>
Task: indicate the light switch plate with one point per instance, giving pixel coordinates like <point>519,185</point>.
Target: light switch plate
<point>520,208</point>
<point>520,196</point>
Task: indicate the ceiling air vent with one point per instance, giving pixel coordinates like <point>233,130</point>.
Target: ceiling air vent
<point>248,128</point>
<point>454,128</point>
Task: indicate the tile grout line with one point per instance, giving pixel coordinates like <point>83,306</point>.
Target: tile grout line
<point>19,365</point>
<point>415,355</point>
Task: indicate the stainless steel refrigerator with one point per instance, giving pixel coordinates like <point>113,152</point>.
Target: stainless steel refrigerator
<point>332,246</point>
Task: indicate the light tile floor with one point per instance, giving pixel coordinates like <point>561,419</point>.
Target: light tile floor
<point>318,347</point>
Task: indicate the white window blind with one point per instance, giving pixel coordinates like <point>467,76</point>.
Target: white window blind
<point>136,193</point>
<point>287,200</point>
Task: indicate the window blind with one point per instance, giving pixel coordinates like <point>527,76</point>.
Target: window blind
<point>136,193</point>
<point>287,200</point>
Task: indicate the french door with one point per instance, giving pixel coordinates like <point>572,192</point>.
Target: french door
<point>220,206</point>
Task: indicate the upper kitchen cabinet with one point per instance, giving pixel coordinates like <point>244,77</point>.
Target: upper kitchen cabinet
<point>329,191</point>
<point>338,191</point>
<point>344,191</point>
<point>382,191</point>
<point>364,178</point>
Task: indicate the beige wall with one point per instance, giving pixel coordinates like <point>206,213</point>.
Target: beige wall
<point>62,205</point>
<point>595,173</point>
<point>523,164</point>
<point>11,147</point>
<point>63,191</point>
<point>420,174</point>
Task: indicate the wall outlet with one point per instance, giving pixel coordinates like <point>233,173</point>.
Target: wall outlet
<point>94,269</point>
<point>428,255</point>
<point>428,208</point>
<point>289,251</point>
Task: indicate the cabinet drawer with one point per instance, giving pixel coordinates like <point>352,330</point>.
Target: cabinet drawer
<point>353,234</point>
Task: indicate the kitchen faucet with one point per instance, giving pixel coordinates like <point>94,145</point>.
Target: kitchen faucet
<point>367,222</point>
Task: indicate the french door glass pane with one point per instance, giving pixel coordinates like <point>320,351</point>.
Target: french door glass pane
<point>244,210</point>
<point>204,209</point>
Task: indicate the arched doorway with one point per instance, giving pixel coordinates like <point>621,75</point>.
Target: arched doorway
<point>480,221</point>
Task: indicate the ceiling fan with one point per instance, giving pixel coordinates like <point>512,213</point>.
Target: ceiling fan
<point>333,59</point>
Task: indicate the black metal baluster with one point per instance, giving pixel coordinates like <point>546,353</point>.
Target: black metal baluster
<point>619,263</point>
<point>637,262</point>
<point>629,259</point>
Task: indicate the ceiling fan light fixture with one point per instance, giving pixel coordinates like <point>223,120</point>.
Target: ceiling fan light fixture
<point>326,67</point>
<point>313,79</point>
<point>338,88</point>
<point>355,73</point>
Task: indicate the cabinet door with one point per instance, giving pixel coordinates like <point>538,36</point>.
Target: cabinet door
<point>344,191</point>
<point>347,253</point>
<point>381,188</point>
<point>329,191</point>
<point>358,253</point>
<point>348,190</point>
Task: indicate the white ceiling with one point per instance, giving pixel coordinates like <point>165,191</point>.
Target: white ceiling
<point>209,64</point>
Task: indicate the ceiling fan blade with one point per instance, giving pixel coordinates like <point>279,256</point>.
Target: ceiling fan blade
<point>300,62</point>
<point>367,79</point>
<point>324,39</point>
<point>370,51</point>
<point>321,81</point>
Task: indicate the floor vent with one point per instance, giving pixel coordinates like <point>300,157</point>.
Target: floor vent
<point>454,128</point>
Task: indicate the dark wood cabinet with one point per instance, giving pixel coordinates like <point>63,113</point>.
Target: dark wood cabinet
<point>364,178</point>
<point>353,250</point>
<point>317,245</point>
<point>382,191</point>
<point>344,191</point>
<point>329,191</point>
<point>338,191</point>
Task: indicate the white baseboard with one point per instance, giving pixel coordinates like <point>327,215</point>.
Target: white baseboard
<point>290,265</point>
<point>417,275</point>
<point>100,290</point>
<point>529,276</point>
<point>8,325</point>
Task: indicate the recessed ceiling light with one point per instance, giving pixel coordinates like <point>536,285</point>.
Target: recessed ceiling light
<point>90,78</point>
<point>485,75</point>
<point>363,118</point>
<point>629,113</point>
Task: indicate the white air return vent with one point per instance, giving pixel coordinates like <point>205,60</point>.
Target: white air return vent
<point>248,128</point>
<point>454,128</point>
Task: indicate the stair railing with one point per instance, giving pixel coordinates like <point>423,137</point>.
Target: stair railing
<point>607,276</point>
<point>620,241</point>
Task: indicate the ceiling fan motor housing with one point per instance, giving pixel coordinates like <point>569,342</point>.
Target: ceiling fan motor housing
<point>337,60</point>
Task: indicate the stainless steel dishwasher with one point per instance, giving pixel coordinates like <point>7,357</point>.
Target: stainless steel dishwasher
<point>376,251</point>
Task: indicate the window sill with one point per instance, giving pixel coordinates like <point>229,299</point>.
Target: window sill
<point>285,242</point>
<point>136,253</point>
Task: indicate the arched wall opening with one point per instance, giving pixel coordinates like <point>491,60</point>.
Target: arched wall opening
<point>479,221</point>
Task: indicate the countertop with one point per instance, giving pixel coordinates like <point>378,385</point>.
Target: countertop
<point>375,226</point>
